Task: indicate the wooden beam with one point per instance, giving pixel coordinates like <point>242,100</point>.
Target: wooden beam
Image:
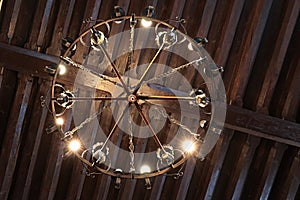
<point>262,125</point>
<point>237,118</point>
<point>25,61</point>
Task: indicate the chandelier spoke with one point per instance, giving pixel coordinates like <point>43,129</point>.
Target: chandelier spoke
<point>114,68</point>
<point>147,69</point>
<point>80,66</point>
<point>89,98</point>
<point>115,126</point>
<point>149,125</point>
<point>187,98</point>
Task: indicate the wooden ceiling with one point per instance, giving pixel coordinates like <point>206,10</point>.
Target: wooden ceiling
<point>258,153</point>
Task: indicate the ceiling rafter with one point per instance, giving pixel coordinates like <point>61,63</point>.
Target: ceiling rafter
<point>239,119</point>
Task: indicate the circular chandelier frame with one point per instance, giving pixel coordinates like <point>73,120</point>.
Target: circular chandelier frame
<point>66,99</point>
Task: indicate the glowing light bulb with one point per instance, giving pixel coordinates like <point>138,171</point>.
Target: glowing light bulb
<point>74,145</point>
<point>188,146</point>
<point>146,23</point>
<point>60,121</point>
<point>62,69</point>
<point>145,169</point>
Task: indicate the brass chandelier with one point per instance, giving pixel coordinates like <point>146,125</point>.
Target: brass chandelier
<point>124,103</point>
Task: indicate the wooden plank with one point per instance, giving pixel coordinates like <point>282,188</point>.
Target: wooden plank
<point>206,18</point>
<point>228,169</point>
<point>278,55</point>
<point>242,167</point>
<point>103,181</point>
<point>286,96</point>
<point>292,181</point>
<point>53,166</point>
<point>74,190</point>
<point>292,102</point>
<point>33,110</point>
<point>36,25</point>
<point>188,172</point>
<point>56,169</point>
<point>7,93</point>
<point>6,14</point>
<point>250,32</point>
<point>68,18</point>
<point>106,182</point>
<point>77,18</point>
<point>102,188</point>
<point>40,131</point>
<point>1,75</point>
<point>14,134</point>
<point>44,25</point>
<point>157,187</point>
<point>88,184</point>
<point>271,169</point>
<point>25,17</point>
<point>185,180</point>
<point>227,33</point>
<point>222,152</point>
<point>159,182</point>
<point>61,26</point>
<point>14,18</point>
<point>91,11</point>
<point>94,128</point>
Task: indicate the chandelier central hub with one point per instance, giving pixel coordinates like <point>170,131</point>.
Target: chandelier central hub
<point>132,98</point>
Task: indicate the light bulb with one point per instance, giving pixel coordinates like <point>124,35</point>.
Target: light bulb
<point>188,146</point>
<point>145,169</point>
<point>60,121</point>
<point>62,69</point>
<point>146,23</point>
<point>74,145</point>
